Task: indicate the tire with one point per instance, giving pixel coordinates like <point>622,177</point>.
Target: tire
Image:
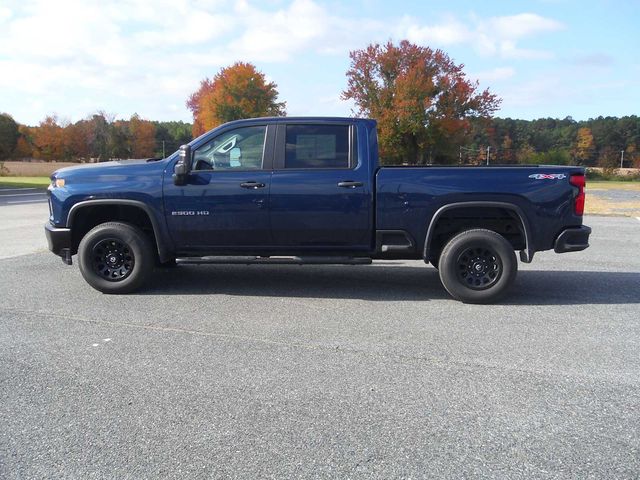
<point>478,266</point>
<point>116,257</point>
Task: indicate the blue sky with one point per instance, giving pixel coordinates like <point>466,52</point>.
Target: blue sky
<point>545,58</point>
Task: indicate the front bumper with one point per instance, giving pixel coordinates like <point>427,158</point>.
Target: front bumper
<point>572,239</point>
<point>59,240</point>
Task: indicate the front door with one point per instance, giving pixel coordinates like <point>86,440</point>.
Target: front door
<point>320,193</point>
<point>225,203</point>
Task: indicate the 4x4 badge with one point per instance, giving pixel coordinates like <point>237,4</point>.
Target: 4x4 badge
<point>548,176</point>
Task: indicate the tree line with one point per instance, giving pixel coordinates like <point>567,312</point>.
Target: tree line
<point>428,112</point>
<point>98,137</point>
<point>599,142</point>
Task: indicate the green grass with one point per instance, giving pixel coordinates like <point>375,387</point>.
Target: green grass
<point>40,182</point>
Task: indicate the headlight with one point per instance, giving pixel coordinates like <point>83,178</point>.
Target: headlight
<point>57,182</point>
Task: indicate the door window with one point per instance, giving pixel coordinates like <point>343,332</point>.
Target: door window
<point>238,149</point>
<point>317,146</point>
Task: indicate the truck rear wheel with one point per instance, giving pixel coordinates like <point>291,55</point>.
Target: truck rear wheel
<point>477,266</point>
<point>116,257</point>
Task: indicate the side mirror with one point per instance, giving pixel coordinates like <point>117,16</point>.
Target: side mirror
<point>181,171</point>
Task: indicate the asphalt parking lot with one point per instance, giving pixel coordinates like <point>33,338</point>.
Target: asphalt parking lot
<point>23,211</point>
<point>320,371</point>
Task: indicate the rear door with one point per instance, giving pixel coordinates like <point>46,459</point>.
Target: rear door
<point>225,202</point>
<point>320,190</point>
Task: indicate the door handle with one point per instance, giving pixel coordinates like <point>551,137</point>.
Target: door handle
<point>349,184</point>
<point>252,185</point>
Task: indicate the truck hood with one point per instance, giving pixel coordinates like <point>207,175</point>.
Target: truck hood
<point>113,172</point>
<point>102,167</point>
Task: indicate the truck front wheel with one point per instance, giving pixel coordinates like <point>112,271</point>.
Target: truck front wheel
<point>116,257</point>
<point>477,266</point>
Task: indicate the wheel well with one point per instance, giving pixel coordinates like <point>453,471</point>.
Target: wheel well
<point>503,221</point>
<point>92,215</point>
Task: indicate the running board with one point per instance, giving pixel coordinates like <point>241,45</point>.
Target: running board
<point>252,260</point>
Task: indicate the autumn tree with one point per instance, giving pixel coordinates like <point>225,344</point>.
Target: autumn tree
<point>508,155</point>
<point>525,153</point>
<point>584,147</point>
<point>609,158</point>
<point>76,140</point>
<point>23,148</point>
<point>98,131</point>
<point>9,135</point>
<point>238,91</point>
<point>142,137</point>
<point>48,139</point>
<point>422,100</point>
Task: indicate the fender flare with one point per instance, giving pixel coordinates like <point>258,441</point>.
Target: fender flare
<point>160,233</point>
<point>526,255</point>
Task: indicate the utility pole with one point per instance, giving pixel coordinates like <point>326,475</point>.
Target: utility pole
<point>488,148</point>
<point>621,157</point>
<point>460,154</point>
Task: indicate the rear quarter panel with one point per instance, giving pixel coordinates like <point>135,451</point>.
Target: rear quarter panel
<point>408,197</point>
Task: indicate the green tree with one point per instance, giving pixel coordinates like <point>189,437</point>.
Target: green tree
<point>8,135</point>
<point>170,135</point>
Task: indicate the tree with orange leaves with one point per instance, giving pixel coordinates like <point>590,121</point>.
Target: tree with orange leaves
<point>584,148</point>
<point>143,137</point>
<point>238,91</point>
<point>420,97</point>
<point>49,139</point>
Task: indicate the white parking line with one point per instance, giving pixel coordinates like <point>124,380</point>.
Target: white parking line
<point>13,189</point>
<point>21,194</point>
<point>27,201</point>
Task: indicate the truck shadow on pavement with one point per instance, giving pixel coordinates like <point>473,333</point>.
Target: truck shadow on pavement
<point>388,283</point>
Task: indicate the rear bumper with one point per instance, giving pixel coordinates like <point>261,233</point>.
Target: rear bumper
<point>572,239</point>
<point>59,240</point>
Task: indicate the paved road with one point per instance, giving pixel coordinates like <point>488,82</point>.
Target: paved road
<point>22,196</point>
<point>321,371</point>
<point>23,213</point>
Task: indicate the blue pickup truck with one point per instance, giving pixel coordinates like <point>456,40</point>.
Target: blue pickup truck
<point>310,191</point>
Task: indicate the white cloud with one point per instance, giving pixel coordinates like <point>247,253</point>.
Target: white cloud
<point>5,14</point>
<point>521,25</point>
<point>494,36</point>
<point>78,55</point>
<point>448,32</point>
<point>276,36</point>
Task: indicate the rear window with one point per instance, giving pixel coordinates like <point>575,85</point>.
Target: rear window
<point>317,146</point>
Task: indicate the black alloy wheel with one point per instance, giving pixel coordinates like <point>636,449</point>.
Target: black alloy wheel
<point>479,267</point>
<point>113,259</point>
<point>116,257</point>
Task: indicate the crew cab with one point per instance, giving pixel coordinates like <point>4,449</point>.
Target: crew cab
<point>310,191</point>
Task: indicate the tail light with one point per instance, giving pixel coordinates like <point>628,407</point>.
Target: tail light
<point>578,180</point>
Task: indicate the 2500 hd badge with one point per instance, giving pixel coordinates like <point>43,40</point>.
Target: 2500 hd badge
<point>189,213</point>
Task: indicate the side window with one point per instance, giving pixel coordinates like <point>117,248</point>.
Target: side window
<point>317,146</point>
<point>238,149</point>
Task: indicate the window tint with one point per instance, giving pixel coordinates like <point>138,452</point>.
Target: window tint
<point>239,149</point>
<point>317,146</point>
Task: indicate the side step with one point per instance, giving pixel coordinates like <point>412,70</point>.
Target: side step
<point>253,260</point>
